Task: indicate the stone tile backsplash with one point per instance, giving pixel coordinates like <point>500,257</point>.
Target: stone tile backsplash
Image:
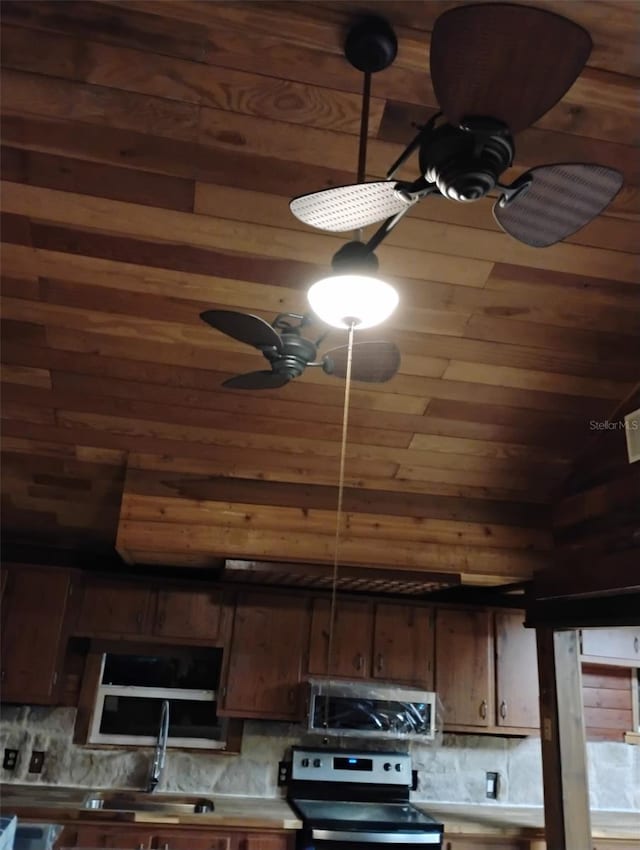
<point>452,769</point>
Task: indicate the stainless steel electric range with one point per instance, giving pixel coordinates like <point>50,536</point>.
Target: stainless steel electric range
<point>355,799</point>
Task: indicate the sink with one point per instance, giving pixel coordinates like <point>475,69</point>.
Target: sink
<point>138,801</point>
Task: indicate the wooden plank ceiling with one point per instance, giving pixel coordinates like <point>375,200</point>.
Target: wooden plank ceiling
<point>149,152</point>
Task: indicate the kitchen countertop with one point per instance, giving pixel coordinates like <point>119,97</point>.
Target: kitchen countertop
<point>42,802</point>
<point>523,821</point>
<point>46,802</point>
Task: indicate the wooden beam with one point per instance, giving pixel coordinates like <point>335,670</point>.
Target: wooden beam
<point>564,761</point>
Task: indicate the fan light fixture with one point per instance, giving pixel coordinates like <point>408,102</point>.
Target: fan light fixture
<point>353,295</point>
<point>352,299</point>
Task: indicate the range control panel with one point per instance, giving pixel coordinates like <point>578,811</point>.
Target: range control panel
<point>351,766</point>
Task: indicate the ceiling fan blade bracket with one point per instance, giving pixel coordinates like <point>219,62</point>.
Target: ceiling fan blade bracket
<point>423,133</point>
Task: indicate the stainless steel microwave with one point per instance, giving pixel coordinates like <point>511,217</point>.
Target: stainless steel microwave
<point>367,710</point>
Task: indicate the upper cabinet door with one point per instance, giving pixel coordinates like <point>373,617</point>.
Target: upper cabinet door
<point>403,644</point>
<point>352,638</point>
<point>517,696</point>
<point>189,615</point>
<point>33,611</point>
<point>464,666</point>
<point>114,609</point>
<point>265,662</point>
<point>613,646</point>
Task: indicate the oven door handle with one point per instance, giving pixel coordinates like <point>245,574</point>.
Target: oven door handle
<point>377,837</point>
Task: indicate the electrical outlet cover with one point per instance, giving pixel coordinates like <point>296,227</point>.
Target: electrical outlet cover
<point>10,759</point>
<point>36,762</point>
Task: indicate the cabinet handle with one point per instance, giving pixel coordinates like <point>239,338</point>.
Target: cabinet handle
<point>359,661</point>
<point>503,709</point>
<point>483,709</point>
<point>161,619</point>
<point>380,663</point>
<point>2,675</point>
<point>139,618</point>
<point>636,644</point>
<point>292,696</point>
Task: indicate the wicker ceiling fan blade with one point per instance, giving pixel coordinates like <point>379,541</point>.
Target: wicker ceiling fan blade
<point>504,61</point>
<point>265,380</point>
<point>559,201</point>
<point>350,207</point>
<point>374,362</point>
<point>244,327</point>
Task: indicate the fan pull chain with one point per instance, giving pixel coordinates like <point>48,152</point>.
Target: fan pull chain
<point>336,545</point>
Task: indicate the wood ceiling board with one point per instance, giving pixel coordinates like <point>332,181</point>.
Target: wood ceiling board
<point>150,151</point>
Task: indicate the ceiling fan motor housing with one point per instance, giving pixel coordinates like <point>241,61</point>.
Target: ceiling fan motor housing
<point>297,352</point>
<point>466,163</point>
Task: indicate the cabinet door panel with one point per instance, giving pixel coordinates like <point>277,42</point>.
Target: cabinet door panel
<point>32,622</point>
<point>464,666</point>
<point>189,615</point>
<point>266,842</point>
<point>191,840</point>
<point>352,636</point>
<point>621,645</point>
<point>111,608</point>
<point>516,672</point>
<point>265,657</point>
<point>403,644</point>
<point>100,836</point>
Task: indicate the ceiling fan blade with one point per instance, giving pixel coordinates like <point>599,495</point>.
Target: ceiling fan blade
<point>349,207</point>
<point>375,362</point>
<point>266,380</point>
<point>560,200</point>
<point>504,61</point>
<point>244,327</point>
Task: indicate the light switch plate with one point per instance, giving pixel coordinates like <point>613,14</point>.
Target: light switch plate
<point>492,785</point>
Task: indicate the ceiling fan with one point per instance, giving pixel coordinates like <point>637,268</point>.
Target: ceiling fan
<point>289,353</point>
<point>496,69</point>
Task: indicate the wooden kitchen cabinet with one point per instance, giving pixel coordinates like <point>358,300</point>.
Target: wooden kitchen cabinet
<point>351,647</point>
<point>124,609</point>
<point>257,841</point>
<point>464,666</point>
<point>265,660</point>
<point>190,615</point>
<point>192,840</point>
<point>114,609</point>
<point>486,671</point>
<point>156,837</point>
<point>384,640</point>
<point>517,690</point>
<point>403,644</point>
<point>34,605</point>
<point>613,647</point>
<point>90,836</point>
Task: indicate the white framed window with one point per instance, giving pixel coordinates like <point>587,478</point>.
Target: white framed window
<point>132,687</point>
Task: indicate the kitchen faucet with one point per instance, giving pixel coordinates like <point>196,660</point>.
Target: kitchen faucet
<point>160,752</point>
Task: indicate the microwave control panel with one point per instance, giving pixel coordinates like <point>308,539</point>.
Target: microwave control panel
<point>351,766</point>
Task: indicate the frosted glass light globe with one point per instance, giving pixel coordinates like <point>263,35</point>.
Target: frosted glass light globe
<point>345,299</point>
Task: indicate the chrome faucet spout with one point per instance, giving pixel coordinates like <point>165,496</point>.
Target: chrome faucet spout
<point>160,752</point>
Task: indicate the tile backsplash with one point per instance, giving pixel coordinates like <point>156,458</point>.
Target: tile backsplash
<point>452,769</point>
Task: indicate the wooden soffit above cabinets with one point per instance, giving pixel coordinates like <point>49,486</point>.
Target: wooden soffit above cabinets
<point>149,153</point>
